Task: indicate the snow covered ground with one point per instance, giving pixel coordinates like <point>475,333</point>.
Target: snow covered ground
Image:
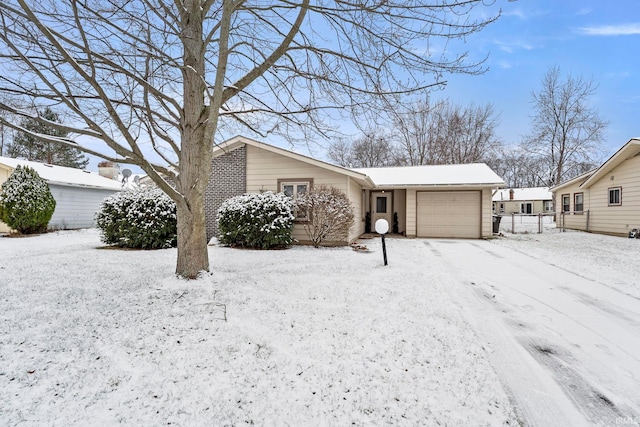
<point>560,316</point>
<point>313,337</point>
<point>514,331</point>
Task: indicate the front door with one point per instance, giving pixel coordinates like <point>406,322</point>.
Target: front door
<point>381,208</point>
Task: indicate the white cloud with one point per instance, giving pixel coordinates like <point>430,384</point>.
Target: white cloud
<point>518,12</point>
<point>611,30</point>
<point>513,46</point>
<point>584,11</point>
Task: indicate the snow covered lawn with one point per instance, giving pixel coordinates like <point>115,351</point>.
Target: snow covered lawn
<point>93,336</point>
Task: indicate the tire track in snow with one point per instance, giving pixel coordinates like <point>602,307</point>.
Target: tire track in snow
<point>592,403</point>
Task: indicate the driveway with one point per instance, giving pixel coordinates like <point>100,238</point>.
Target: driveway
<point>566,347</point>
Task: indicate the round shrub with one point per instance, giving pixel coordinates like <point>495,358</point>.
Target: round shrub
<point>142,219</point>
<point>260,221</point>
<point>26,203</point>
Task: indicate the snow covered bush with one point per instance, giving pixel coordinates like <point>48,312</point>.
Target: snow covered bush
<point>330,214</point>
<point>143,219</point>
<point>26,203</point>
<point>256,220</point>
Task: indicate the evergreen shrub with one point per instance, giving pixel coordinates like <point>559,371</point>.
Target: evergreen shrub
<point>261,221</point>
<point>142,219</point>
<point>26,202</point>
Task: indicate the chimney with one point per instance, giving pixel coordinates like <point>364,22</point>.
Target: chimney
<point>511,193</point>
<point>108,170</point>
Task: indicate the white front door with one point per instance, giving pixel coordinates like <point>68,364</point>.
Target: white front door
<point>381,208</point>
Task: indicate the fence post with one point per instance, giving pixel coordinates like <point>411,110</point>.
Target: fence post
<point>539,223</point>
<point>513,223</point>
<point>562,220</point>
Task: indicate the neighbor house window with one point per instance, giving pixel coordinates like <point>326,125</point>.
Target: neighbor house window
<point>548,206</point>
<point>578,202</point>
<point>381,204</point>
<point>615,198</point>
<point>294,189</point>
<point>526,208</point>
<point>565,203</point>
<point>501,207</point>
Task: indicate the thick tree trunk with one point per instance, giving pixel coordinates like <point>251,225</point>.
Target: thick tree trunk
<point>193,256</point>
<point>196,148</point>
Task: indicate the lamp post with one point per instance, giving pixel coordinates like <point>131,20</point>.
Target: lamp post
<point>382,227</point>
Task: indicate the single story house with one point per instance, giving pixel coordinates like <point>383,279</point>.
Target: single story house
<point>446,201</point>
<point>533,200</point>
<point>78,193</point>
<point>605,200</point>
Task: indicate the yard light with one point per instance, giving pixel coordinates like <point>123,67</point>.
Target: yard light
<point>382,227</point>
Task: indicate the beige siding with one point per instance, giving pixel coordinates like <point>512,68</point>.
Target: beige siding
<point>620,219</point>
<point>355,196</point>
<point>265,168</point>
<point>400,206</point>
<point>572,221</point>
<point>486,226</point>
<point>513,206</point>
<point>411,213</point>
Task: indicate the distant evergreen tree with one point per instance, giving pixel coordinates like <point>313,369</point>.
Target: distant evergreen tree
<point>31,148</point>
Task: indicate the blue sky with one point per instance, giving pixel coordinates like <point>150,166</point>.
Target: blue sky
<point>599,40</point>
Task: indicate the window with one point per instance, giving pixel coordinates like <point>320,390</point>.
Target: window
<point>548,206</point>
<point>293,189</point>
<point>381,204</point>
<point>615,198</point>
<point>565,203</point>
<point>501,207</point>
<point>526,208</point>
<point>578,202</point>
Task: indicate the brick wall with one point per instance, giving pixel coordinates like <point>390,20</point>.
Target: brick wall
<point>228,178</point>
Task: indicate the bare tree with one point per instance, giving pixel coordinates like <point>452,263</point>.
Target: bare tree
<point>340,153</point>
<point>158,81</point>
<point>6,132</point>
<point>566,132</point>
<point>417,130</point>
<point>519,169</point>
<point>330,214</point>
<point>374,149</point>
<point>446,133</point>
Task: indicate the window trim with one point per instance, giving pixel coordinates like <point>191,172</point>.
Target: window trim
<point>547,205</point>
<point>568,204</point>
<point>575,204</point>
<point>619,196</point>
<point>294,182</point>
<point>523,210</point>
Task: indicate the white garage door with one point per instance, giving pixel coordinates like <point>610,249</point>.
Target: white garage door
<point>455,214</point>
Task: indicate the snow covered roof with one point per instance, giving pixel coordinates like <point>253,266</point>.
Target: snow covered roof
<point>533,193</point>
<point>475,174</point>
<point>61,175</point>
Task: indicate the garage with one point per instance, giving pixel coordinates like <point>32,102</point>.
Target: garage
<point>449,214</point>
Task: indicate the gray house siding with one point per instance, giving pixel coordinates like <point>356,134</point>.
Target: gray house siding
<point>228,178</point>
<point>76,206</point>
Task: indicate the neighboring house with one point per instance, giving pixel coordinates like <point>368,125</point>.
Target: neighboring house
<point>533,200</point>
<point>605,200</point>
<point>78,193</point>
<point>447,201</point>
